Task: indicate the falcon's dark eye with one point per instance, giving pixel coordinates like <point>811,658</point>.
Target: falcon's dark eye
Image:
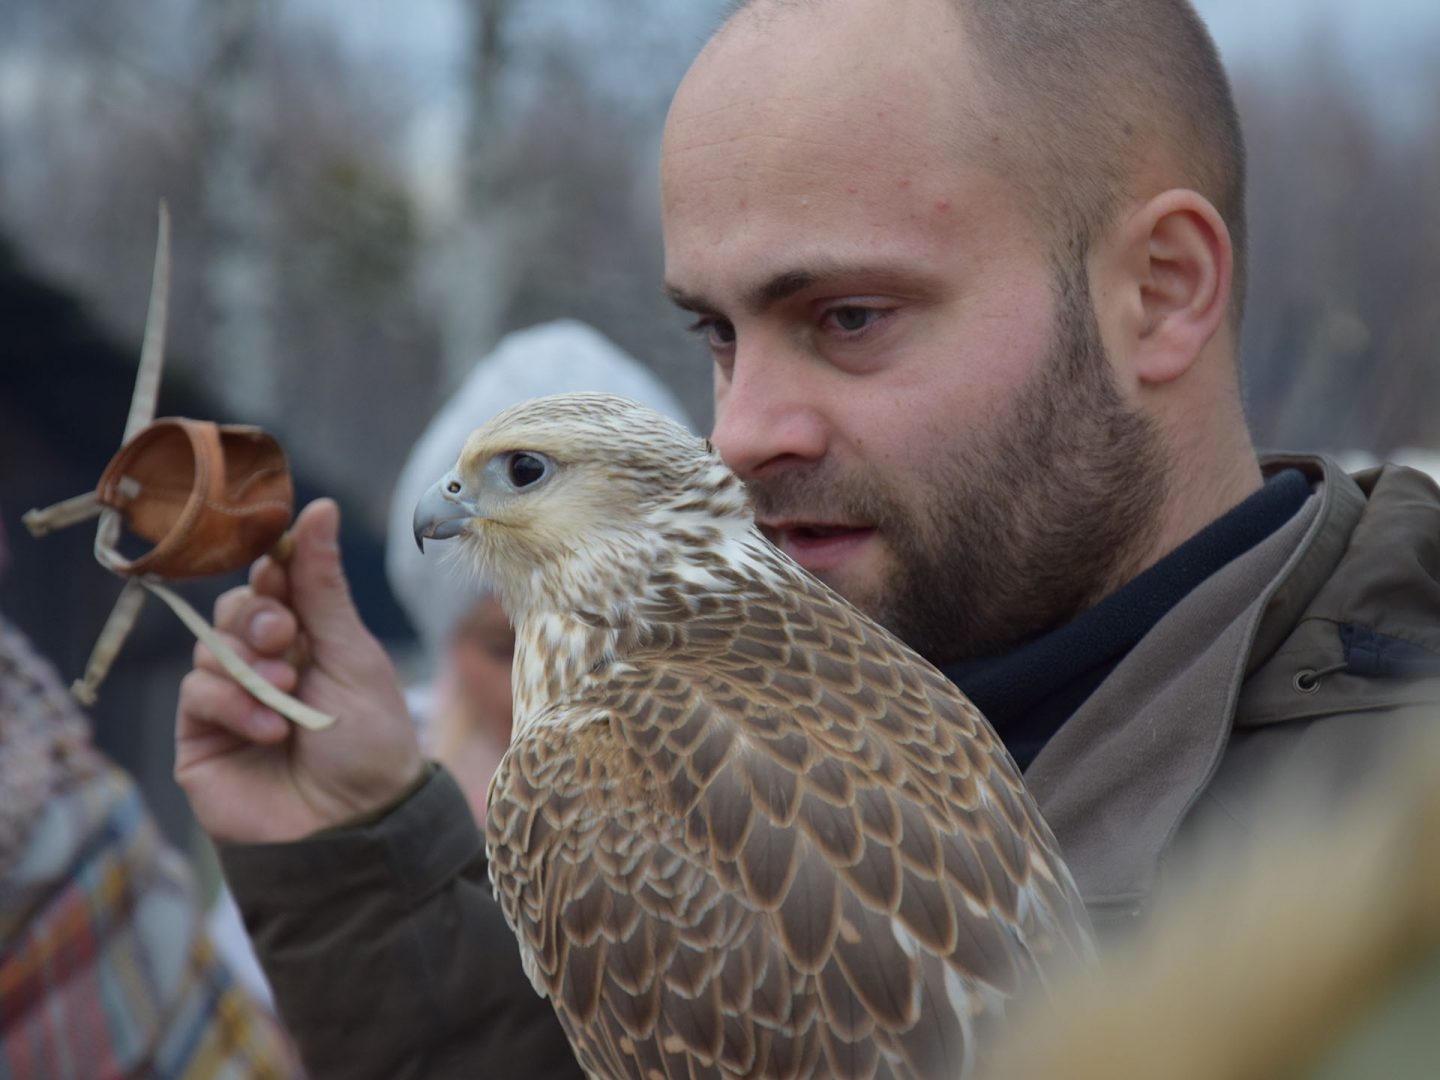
<point>524,469</point>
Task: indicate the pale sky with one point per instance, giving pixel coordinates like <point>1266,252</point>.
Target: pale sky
<point>1244,28</point>
<point>1388,45</point>
<point>1389,38</point>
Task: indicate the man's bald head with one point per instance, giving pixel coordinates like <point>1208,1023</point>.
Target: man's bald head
<point>1094,102</point>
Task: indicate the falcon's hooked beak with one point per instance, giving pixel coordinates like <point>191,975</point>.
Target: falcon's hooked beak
<point>444,511</point>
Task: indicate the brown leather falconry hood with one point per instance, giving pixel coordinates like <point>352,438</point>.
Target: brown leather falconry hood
<point>211,499</point>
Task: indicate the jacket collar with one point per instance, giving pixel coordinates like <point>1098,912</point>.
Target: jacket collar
<point>1340,505</point>
<point>1119,778</point>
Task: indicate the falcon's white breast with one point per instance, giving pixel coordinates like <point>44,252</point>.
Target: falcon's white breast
<point>741,830</point>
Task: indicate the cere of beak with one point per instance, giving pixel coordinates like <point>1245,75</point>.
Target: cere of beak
<point>443,512</point>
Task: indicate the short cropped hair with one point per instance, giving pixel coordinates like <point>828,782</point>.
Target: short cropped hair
<point>1085,89</point>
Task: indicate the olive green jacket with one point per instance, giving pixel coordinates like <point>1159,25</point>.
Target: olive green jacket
<point>389,959</point>
<point>388,956</point>
<point>1307,656</point>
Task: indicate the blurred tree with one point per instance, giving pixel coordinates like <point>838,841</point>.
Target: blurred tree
<point>561,156</point>
<point>471,285</point>
<point>283,159</point>
<point>240,277</point>
<point>358,357</point>
<point>1342,325</point>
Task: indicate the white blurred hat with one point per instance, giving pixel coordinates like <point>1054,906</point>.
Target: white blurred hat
<point>552,358</point>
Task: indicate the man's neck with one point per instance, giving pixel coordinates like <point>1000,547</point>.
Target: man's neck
<point>1206,496</point>
<point>1031,690</point>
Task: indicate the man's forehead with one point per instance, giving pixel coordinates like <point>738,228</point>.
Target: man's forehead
<point>826,94</point>
<point>746,237</point>
<point>797,150</point>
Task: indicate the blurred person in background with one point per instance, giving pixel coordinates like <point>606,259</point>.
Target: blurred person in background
<point>971,274</point>
<point>106,968</point>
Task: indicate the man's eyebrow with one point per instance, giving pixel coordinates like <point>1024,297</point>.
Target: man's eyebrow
<point>688,301</point>
<point>782,286</point>
<point>779,286</point>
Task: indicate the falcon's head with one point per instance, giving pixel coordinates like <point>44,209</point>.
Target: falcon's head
<point>572,498</point>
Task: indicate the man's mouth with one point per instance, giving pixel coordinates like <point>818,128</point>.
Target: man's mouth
<point>817,547</point>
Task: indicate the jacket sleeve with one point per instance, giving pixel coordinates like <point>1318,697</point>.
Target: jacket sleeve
<point>388,955</point>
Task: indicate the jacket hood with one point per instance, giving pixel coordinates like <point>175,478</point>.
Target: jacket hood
<point>1356,624</point>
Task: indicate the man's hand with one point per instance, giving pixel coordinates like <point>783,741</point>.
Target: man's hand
<point>250,775</point>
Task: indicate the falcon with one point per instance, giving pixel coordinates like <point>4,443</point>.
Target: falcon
<point>741,830</point>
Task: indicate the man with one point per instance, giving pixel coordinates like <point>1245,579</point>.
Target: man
<point>968,271</point>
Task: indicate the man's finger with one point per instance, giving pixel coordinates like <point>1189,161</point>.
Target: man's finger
<point>265,625</point>
<point>211,700</point>
<point>271,578</point>
<point>229,604</point>
<point>319,590</point>
<point>281,672</point>
<point>205,660</point>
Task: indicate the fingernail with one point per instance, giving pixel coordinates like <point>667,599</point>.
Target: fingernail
<point>263,625</point>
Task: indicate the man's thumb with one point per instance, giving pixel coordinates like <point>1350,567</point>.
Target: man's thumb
<point>319,590</point>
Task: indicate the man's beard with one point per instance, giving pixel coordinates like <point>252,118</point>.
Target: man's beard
<point>1019,536</point>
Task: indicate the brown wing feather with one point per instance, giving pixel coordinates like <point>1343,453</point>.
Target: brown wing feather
<point>784,846</point>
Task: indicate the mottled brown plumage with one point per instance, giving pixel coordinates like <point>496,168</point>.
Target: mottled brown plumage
<point>741,830</point>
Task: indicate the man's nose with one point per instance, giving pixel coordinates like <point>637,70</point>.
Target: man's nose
<point>768,412</point>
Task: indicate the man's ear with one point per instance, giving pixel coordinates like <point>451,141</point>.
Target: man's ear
<point>1174,265</point>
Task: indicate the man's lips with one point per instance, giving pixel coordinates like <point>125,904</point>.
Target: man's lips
<point>817,546</point>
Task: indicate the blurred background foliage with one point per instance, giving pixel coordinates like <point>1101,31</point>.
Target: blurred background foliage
<point>367,195</point>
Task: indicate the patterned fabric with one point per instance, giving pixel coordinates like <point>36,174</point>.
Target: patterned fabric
<point>105,969</point>
<point>44,741</point>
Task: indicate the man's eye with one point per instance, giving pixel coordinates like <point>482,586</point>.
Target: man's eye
<point>718,333</point>
<point>852,319</point>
